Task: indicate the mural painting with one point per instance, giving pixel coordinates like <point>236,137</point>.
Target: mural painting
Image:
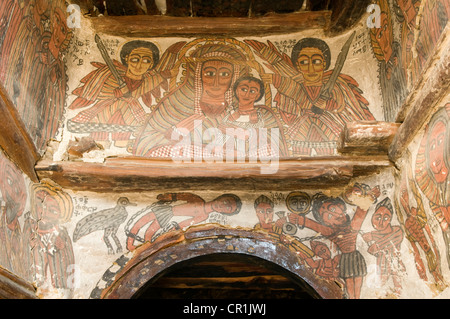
<point>32,67</point>
<point>208,96</point>
<point>412,216</point>
<point>384,243</point>
<point>434,18</point>
<point>108,220</point>
<point>14,197</point>
<point>314,103</point>
<point>207,102</point>
<point>326,243</point>
<point>50,251</point>
<point>392,72</point>
<point>406,14</point>
<point>115,88</point>
<point>192,100</point>
<point>431,169</point>
<point>158,218</point>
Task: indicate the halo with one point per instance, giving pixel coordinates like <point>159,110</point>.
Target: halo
<point>304,197</point>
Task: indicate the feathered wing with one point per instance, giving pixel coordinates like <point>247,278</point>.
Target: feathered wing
<point>98,84</point>
<point>168,59</point>
<point>277,62</point>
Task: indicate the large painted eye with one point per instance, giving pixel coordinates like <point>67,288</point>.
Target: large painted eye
<point>303,62</point>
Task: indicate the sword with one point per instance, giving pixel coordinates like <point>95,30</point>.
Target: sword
<point>109,62</point>
<point>326,89</point>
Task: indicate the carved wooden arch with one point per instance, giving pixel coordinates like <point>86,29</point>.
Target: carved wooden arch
<point>133,271</point>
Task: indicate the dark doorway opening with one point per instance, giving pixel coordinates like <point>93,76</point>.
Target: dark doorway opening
<point>226,276</point>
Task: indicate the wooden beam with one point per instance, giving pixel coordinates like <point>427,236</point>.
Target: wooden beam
<point>367,137</point>
<point>13,287</point>
<point>146,26</point>
<point>14,139</point>
<point>141,174</point>
<point>423,100</point>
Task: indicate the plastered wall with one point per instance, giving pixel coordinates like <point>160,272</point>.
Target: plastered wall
<point>394,223</point>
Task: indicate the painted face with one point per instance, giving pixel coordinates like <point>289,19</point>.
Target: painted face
<point>139,61</point>
<point>298,204</point>
<point>47,209</point>
<point>225,205</point>
<point>322,251</point>
<point>383,36</point>
<point>436,149</point>
<point>381,219</point>
<point>247,92</point>
<point>60,29</point>
<point>311,64</point>
<point>332,214</point>
<point>264,211</point>
<point>216,78</point>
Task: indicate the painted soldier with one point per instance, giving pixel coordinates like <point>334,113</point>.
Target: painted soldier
<point>415,222</point>
<point>333,222</point>
<point>314,108</point>
<point>158,218</point>
<point>113,92</point>
<point>384,243</point>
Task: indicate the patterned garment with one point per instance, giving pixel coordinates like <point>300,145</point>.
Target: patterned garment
<point>180,107</point>
<point>320,132</point>
<point>112,109</point>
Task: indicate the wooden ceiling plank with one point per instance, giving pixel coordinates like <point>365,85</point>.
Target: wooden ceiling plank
<point>147,26</point>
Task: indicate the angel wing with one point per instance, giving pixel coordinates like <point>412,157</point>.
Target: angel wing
<point>168,59</point>
<point>279,63</point>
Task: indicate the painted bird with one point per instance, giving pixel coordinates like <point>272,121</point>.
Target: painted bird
<point>108,220</point>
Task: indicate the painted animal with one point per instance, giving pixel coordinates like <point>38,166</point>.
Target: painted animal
<point>108,220</point>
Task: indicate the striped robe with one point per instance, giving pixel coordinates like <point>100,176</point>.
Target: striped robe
<point>117,114</point>
<point>309,131</point>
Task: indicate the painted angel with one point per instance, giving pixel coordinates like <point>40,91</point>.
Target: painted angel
<point>114,90</point>
<point>313,102</point>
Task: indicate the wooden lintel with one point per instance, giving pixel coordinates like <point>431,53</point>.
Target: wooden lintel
<point>147,26</point>
<point>423,100</point>
<point>367,137</point>
<point>14,139</point>
<point>139,174</point>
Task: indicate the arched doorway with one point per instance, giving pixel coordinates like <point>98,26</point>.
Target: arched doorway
<point>226,276</point>
<point>133,274</point>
